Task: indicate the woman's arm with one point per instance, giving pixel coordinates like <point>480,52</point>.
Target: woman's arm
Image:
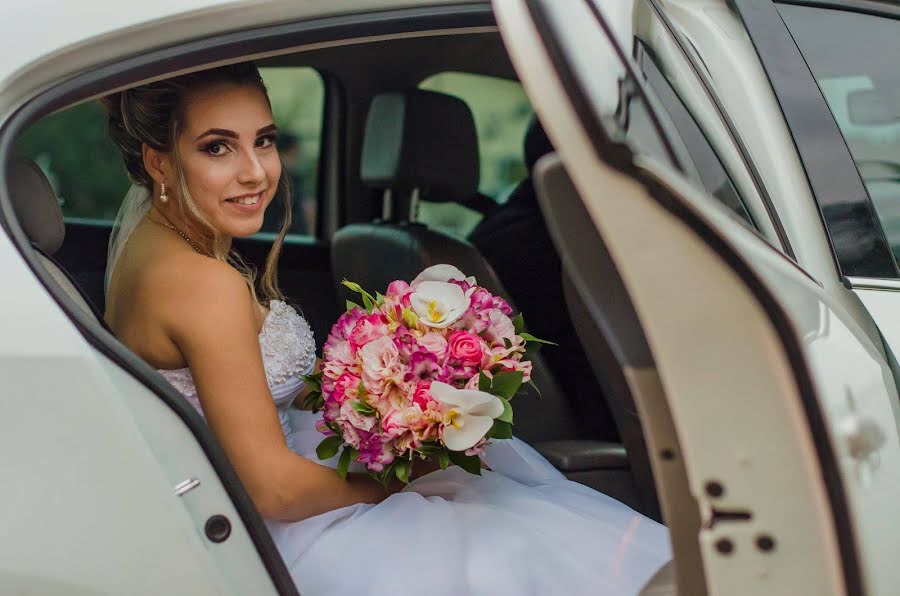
<point>212,319</point>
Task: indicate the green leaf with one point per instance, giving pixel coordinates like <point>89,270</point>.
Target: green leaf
<point>355,287</point>
<point>350,305</point>
<point>529,337</point>
<point>409,317</point>
<point>469,463</point>
<point>313,401</point>
<point>313,381</point>
<point>531,349</point>
<point>329,447</point>
<point>506,384</point>
<point>368,303</point>
<point>344,461</point>
<point>401,470</point>
<point>507,343</point>
<point>379,298</point>
<point>363,408</point>
<point>501,430</point>
<point>444,459</point>
<point>507,415</point>
<point>519,324</point>
<point>535,387</point>
<point>484,383</point>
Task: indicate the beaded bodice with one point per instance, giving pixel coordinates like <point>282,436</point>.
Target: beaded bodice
<point>288,351</point>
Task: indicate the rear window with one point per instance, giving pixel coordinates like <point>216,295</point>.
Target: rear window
<point>86,171</point>
<point>502,112</point>
<point>854,58</point>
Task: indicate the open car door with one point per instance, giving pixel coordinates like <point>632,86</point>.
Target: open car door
<point>772,431</point>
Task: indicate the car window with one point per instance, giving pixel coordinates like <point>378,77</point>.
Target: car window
<point>705,168</point>
<point>502,112</point>
<point>86,171</point>
<point>853,57</point>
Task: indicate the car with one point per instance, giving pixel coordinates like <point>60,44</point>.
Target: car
<point>721,195</point>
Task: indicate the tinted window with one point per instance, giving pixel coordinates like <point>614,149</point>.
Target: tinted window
<point>704,167</point>
<point>854,58</point>
<point>501,111</point>
<point>86,170</point>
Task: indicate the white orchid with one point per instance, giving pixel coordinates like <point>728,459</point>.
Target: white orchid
<point>470,415</point>
<point>442,272</point>
<point>439,304</point>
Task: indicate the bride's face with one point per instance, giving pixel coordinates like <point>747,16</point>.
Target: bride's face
<point>228,156</point>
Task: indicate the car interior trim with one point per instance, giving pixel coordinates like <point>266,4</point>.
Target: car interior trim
<point>831,172</point>
<point>619,156</point>
<point>193,54</point>
<point>726,119</point>
<point>872,7</point>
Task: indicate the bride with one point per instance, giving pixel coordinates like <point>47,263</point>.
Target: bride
<point>200,150</point>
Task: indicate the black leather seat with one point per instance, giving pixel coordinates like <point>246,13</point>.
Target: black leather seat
<point>422,145</point>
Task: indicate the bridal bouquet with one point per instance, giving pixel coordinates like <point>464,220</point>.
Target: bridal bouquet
<point>424,371</point>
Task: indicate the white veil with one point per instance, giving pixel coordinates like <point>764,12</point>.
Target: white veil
<point>134,207</point>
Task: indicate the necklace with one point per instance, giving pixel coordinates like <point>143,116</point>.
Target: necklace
<point>180,233</point>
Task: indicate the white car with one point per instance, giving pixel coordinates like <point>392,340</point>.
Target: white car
<point>724,196</point>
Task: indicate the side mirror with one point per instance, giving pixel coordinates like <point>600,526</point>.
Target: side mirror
<point>869,108</point>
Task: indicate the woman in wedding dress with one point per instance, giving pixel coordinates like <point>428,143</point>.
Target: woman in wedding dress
<point>200,150</point>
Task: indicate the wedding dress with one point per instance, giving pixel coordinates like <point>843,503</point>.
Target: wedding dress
<point>519,529</point>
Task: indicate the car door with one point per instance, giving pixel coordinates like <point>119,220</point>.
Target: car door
<point>782,406</point>
<point>841,102</point>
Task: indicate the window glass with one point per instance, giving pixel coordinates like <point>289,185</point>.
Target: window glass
<point>854,59</point>
<point>705,167</point>
<point>86,171</point>
<point>502,112</point>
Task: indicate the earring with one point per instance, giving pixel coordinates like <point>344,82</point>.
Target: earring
<point>162,193</point>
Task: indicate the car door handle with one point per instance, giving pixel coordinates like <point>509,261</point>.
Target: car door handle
<point>862,436</point>
<point>186,486</point>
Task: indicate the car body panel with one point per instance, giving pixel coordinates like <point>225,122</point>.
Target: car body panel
<point>839,438</point>
<point>99,481</point>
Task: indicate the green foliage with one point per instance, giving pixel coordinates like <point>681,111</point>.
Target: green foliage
<point>469,463</point>
<point>519,324</point>
<point>506,384</point>
<point>363,408</point>
<point>329,446</point>
<point>501,430</point>
<point>347,455</point>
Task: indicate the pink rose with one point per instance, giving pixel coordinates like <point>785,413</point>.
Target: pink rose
<point>434,343</point>
<point>465,347</point>
<point>367,329</point>
<point>422,394</point>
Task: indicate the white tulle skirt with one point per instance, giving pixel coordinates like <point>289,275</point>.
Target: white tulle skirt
<point>519,529</point>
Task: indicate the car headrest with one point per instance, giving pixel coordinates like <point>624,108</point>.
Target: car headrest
<point>35,205</point>
<point>421,140</point>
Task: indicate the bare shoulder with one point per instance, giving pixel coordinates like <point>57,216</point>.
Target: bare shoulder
<point>194,294</point>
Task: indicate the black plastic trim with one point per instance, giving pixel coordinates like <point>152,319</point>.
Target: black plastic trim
<point>612,153</point>
<point>879,8</point>
<point>158,63</point>
<point>861,249</point>
<point>732,131</point>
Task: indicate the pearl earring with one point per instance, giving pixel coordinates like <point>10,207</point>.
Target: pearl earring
<point>162,193</point>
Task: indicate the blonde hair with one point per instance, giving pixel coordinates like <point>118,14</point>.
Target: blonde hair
<point>153,114</point>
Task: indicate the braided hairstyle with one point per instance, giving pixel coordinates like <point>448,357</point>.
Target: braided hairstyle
<point>153,114</point>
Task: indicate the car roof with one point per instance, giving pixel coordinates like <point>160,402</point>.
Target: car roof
<point>53,39</point>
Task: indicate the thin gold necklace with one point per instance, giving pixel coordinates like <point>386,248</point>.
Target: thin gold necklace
<point>180,233</point>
